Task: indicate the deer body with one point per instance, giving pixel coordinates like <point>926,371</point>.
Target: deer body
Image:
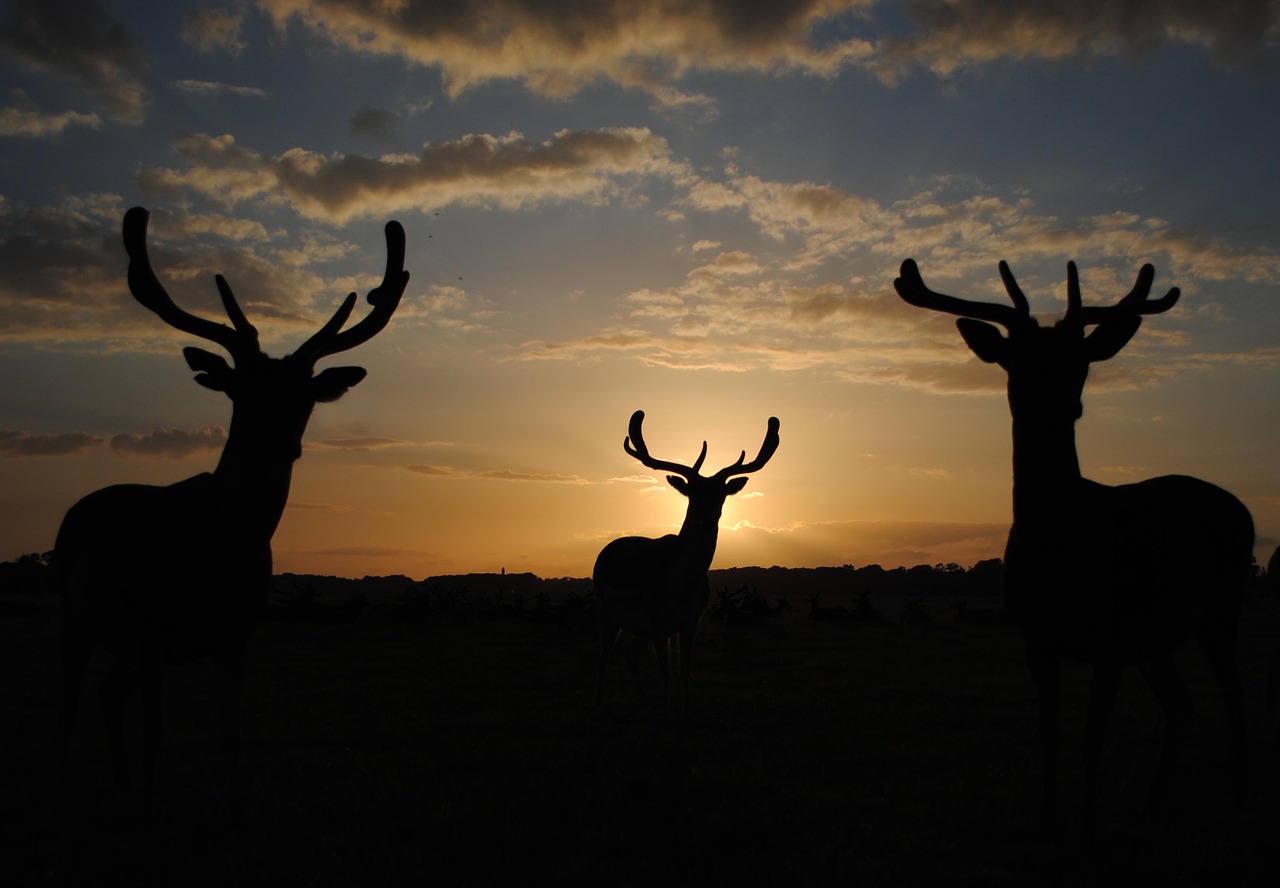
<point>165,575</point>
<point>657,589</point>
<point>1112,576</point>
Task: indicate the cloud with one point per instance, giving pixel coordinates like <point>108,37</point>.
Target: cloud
<point>376,123</point>
<point>816,291</point>
<point>317,507</point>
<point>357,445</point>
<point>212,29</point>
<point>23,444</point>
<point>213,88</point>
<point>558,47</point>
<point>82,41</point>
<point>495,475</point>
<point>508,172</point>
<point>38,124</point>
<point>62,274</point>
<point>366,552</point>
<point>169,443</point>
<point>953,35</point>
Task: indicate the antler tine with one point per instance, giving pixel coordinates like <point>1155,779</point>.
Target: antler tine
<point>235,313</point>
<point>767,449</point>
<point>384,298</point>
<point>635,447</point>
<point>148,290</point>
<point>910,286</point>
<point>1136,301</point>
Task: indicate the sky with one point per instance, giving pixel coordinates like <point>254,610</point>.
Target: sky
<point>692,208</point>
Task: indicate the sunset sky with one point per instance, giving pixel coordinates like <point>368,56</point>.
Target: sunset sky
<point>692,208</point>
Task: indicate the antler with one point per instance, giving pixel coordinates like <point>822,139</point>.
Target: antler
<point>1136,302</point>
<point>911,288</point>
<point>147,289</point>
<point>384,298</point>
<point>634,445</point>
<point>767,449</point>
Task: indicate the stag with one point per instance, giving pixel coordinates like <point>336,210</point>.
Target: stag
<point>1111,576</point>
<point>164,575</point>
<point>658,588</point>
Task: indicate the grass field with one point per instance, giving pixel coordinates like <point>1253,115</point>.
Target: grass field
<point>388,754</point>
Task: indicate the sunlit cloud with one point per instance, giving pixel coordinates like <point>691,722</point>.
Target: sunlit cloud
<point>62,275</point>
<point>366,552</point>
<point>558,48</point>
<point>26,444</point>
<point>33,124</point>
<point>357,445</point>
<point>98,53</point>
<point>508,172</point>
<point>210,29</point>
<point>495,475</point>
<point>169,443</point>
<point>213,88</point>
<point>952,35</point>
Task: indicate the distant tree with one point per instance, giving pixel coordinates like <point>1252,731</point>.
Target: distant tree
<point>28,573</point>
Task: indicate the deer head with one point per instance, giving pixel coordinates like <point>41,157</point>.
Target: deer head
<point>1047,366</point>
<point>273,397</point>
<point>706,494</point>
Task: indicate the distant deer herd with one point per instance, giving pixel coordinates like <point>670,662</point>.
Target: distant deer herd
<point>1111,576</point>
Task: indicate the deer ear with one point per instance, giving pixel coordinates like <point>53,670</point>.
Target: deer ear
<point>332,384</point>
<point>679,484</point>
<point>984,340</point>
<point>1110,336</point>
<point>734,485</point>
<point>212,371</point>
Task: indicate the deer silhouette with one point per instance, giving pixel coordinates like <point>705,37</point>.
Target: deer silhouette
<point>658,588</point>
<point>1111,576</point>
<point>164,575</point>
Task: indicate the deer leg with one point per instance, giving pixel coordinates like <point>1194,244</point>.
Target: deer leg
<point>1219,646</point>
<point>151,702</point>
<point>1102,700</point>
<point>638,645</point>
<point>1045,679</point>
<point>230,687</point>
<point>686,654</point>
<point>77,648</point>
<point>1273,685</point>
<point>662,646</point>
<point>1164,681</point>
<point>119,682</point>
<point>607,640</point>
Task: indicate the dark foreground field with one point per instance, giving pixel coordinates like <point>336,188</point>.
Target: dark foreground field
<point>467,754</point>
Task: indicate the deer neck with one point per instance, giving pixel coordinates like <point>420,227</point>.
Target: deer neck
<point>253,478</point>
<point>698,541</point>
<point>1046,469</point>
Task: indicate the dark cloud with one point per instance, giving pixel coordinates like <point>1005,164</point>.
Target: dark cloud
<point>376,123</point>
<point>169,443</point>
<point>14,443</point>
<point>80,40</point>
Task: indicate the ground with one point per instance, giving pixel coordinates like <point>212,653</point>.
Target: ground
<point>393,754</point>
